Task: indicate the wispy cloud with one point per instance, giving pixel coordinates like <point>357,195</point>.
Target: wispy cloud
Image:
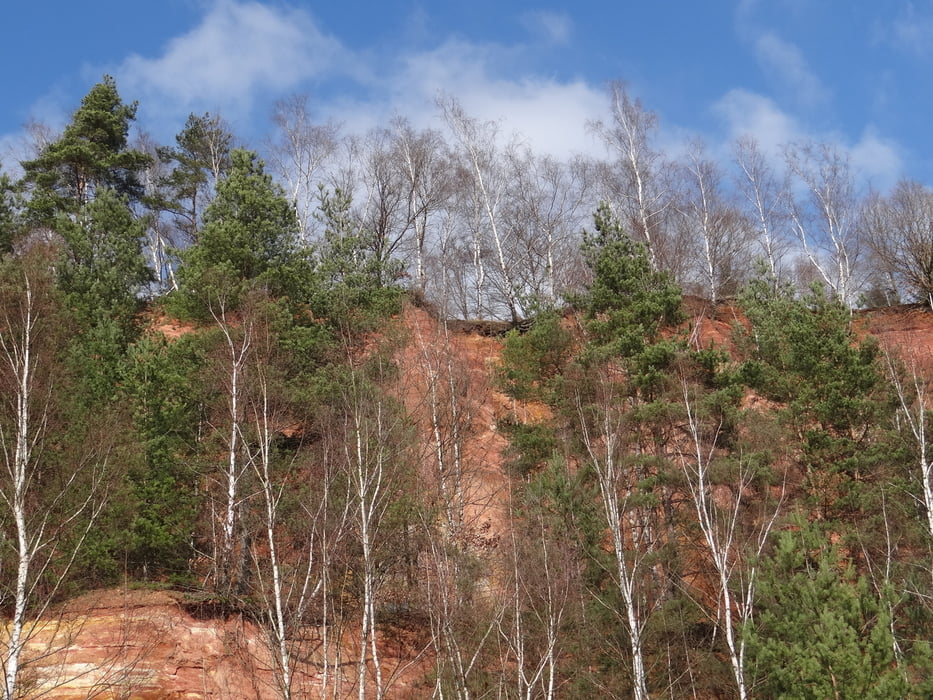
<point>747,113</point>
<point>785,62</point>
<point>553,27</point>
<point>878,159</point>
<point>875,159</point>
<point>912,30</point>
<point>238,50</point>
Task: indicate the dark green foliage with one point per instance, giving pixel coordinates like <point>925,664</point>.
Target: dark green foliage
<point>533,359</point>
<point>82,187</point>
<point>804,353</point>
<point>159,383</point>
<point>103,269</point>
<point>820,633</point>
<point>628,303</point>
<point>201,156</point>
<point>249,239</point>
<point>354,285</point>
<point>73,477</point>
<point>531,446</point>
<point>91,154</point>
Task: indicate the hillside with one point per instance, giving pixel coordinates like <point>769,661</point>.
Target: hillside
<point>146,644</point>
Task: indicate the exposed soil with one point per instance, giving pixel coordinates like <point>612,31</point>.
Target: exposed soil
<point>146,644</point>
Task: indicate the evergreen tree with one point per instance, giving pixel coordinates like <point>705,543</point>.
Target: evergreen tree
<point>353,280</point>
<point>84,186</point>
<point>805,353</point>
<point>628,302</point>
<point>91,154</point>
<point>249,237</point>
<point>821,633</point>
<point>160,384</point>
<point>201,157</point>
<point>103,270</point>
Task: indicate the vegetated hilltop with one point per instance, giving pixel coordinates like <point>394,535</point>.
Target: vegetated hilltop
<point>129,642</point>
<point>348,497</point>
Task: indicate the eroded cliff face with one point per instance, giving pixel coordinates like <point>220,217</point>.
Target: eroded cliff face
<point>144,644</point>
<point>164,645</point>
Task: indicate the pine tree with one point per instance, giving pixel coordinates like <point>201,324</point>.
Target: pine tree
<point>201,157</point>
<point>249,237</point>
<point>821,632</point>
<point>91,155</point>
<point>628,302</point>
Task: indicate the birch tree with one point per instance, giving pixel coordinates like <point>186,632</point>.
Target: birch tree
<point>766,203</point>
<point>824,220</point>
<point>373,458</point>
<point>425,161</point>
<point>233,361</point>
<point>463,620</point>
<point>623,371</point>
<point>43,509</point>
<point>720,233</point>
<point>291,518</point>
<point>733,545</point>
<point>302,157</point>
<point>633,180</point>
<point>544,212</point>
<point>482,159</point>
<point>911,389</point>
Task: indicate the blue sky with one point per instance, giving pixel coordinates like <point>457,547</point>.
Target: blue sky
<point>855,73</point>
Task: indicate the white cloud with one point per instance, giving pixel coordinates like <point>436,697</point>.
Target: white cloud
<point>913,31</point>
<point>549,115</point>
<point>553,27</point>
<point>785,62</point>
<point>747,113</point>
<point>236,51</point>
<point>877,159</point>
<point>874,159</point>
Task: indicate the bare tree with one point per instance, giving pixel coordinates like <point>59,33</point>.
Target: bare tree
<point>301,155</point>
<point>46,510</point>
<point>427,179</point>
<point>914,415</point>
<point>481,157</point>
<point>400,190</point>
<point>825,221</point>
<point>719,231</point>
<point>546,204</point>
<point>296,530</point>
<point>160,233</point>
<point>229,368</point>
<point>541,580</point>
<point>734,546</point>
<point>766,203</point>
<point>464,613</point>
<point>899,231</point>
<point>633,182</point>
<point>376,470</point>
<point>608,440</point>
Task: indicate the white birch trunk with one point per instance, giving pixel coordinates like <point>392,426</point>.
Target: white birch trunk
<point>728,550</point>
<point>615,489</point>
